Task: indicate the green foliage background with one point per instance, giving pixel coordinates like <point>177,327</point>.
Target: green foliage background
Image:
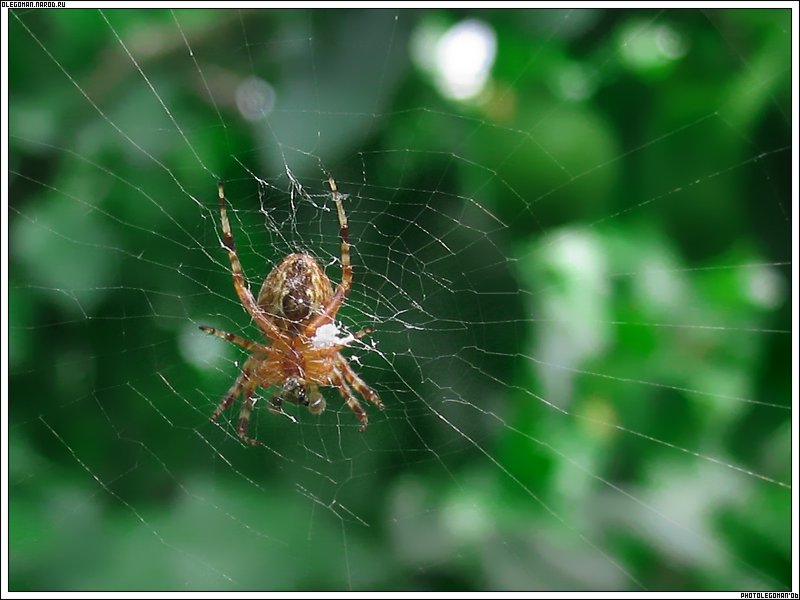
<point>555,384</point>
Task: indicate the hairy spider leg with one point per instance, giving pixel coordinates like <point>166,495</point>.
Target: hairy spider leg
<point>330,310</point>
<point>358,384</point>
<point>248,401</point>
<point>228,399</point>
<point>235,339</point>
<point>239,279</point>
<point>350,398</point>
<point>234,390</point>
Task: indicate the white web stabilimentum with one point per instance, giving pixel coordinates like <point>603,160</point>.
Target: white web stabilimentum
<point>512,379</point>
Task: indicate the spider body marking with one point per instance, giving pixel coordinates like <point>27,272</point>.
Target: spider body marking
<point>294,310</point>
<point>295,289</point>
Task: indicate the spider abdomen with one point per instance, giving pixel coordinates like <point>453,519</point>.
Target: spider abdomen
<point>294,291</point>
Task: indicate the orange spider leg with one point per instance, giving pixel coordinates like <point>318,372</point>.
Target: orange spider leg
<point>239,279</point>
<point>330,310</point>
<point>235,389</point>
<point>349,398</point>
<point>228,399</point>
<point>248,401</point>
<point>358,384</point>
<point>245,385</point>
<point>235,339</point>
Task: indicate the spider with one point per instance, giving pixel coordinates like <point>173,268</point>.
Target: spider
<point>294,310</point>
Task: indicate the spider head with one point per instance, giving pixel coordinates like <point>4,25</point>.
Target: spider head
<point>295,390</point>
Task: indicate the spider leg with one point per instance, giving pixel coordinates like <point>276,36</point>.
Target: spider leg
<point>234,390</point>
<point>340,384</point>
<point>244,416</point>
<point>239,279</point>
<point>358,384</point>
<point>235,339</point>
<point>343,289</point>
<point>229,398</point>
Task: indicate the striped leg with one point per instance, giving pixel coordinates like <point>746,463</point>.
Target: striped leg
<point>239,279</point>
<point>358,384</point>
<point>242,382</point>
<point>350,399</point>
<point>229,398</point>
<point>248,400</point>
<point>347,269</point>
<point>235,339</point>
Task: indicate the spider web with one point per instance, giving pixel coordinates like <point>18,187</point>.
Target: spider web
<point>579,394</point>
